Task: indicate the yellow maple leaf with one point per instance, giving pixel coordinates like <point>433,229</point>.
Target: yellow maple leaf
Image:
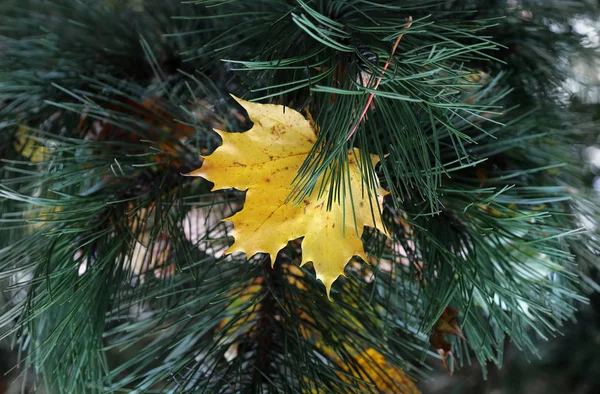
<point>264,161</point>
<point>28,148</point>
<point>370,372</point>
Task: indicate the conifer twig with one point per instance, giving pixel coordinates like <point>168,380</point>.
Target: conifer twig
<point>364,112</point>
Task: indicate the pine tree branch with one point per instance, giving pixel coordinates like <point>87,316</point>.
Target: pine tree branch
<point>263,331</point>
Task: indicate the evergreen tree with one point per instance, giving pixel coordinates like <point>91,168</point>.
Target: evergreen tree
<point>112,262</point>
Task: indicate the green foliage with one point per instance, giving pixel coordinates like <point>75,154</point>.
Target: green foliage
<point>112,259</point>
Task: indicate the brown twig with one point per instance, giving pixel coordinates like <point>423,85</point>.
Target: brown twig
<point>372,95</point>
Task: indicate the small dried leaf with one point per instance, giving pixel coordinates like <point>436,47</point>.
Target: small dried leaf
<point>446,325</point>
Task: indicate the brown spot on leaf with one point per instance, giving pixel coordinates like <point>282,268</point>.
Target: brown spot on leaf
<point>306,204</point>
<point>278,130</point>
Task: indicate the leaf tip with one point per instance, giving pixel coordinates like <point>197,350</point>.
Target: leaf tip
<point>196,172</point>
<point>328,290</point>
<point>238,100</point>
<point>328,282</point>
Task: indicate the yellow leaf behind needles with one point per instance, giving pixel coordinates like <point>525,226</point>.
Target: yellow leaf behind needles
<point>378,375</point>
<point>264,161</point>
<point>369,372</point>
<point>28,147</point>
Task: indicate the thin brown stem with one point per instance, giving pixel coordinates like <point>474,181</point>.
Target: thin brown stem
<point>372,95</point>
